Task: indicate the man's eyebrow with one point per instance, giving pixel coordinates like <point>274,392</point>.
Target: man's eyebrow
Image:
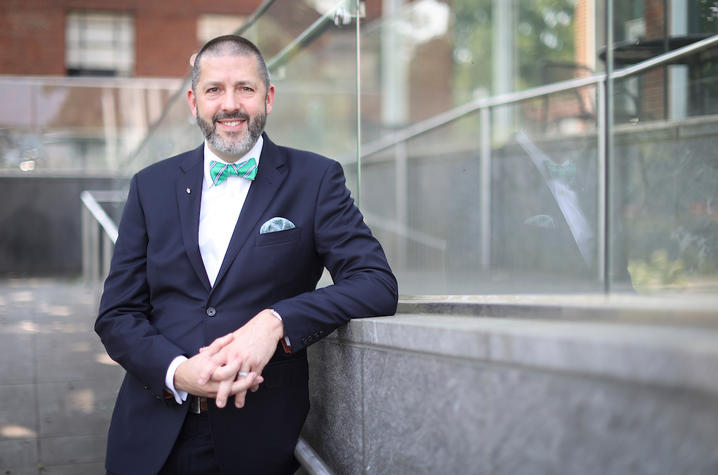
<point>211,84</point>
<point>246,82</point>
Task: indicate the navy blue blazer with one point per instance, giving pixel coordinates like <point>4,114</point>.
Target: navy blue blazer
<point>157,295</point>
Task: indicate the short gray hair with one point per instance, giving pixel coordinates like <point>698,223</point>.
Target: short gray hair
<point>234,45</point>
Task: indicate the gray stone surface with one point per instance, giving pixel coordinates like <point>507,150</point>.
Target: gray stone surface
<point>79,449</point>
<point>546,423</point>
<point>40,219</point>
<point>423,414</point>
<point>673,356</point>
<point>74,408</point>
<point>57,384</point>
<point>18,418</point>
<point>16,453</point>
<point>17,369</point>
<point>336,405</point>
<point>445,394</point>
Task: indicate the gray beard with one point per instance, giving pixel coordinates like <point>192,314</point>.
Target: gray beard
<point>229,146</point>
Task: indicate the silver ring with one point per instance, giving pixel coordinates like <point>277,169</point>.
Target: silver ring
<point>242,374</point>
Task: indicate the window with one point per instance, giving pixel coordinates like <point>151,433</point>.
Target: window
<point>99,44</point>
<point>211,25</point>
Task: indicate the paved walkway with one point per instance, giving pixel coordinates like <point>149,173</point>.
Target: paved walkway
<point>57,385</point>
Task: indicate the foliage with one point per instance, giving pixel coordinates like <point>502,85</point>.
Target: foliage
<point>658,272</point>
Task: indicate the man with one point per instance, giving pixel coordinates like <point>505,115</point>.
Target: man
<point>211,292</point>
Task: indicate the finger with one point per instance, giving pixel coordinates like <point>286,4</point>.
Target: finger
<point>249,383</point>
<point>239,399</point>
<point>257,381</point>
<point>227,371</point>
<point>245,380</point>
<point>241,386</point>
<point>214,359</point>
<point>208,368</point>
<point>223,392</point>
<point>218,344</point>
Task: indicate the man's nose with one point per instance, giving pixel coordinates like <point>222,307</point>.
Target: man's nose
<point>230,102</point>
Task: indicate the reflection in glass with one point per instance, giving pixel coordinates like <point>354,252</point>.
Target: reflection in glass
<point>666,191</point>
<point>79,125</point>
<point>545,196</point>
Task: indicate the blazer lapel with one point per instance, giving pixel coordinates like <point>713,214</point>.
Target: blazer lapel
<point>189,194</point>
<point>271,173</point>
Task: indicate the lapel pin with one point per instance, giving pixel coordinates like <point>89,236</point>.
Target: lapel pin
<point>188,191</point>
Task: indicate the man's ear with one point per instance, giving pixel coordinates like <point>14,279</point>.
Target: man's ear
<point>270,98</point>
<point>192,101</point>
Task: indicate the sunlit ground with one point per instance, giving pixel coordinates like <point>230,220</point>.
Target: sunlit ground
<point>57,383</point>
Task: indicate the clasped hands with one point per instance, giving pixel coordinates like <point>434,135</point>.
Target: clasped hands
<point>213,372</point>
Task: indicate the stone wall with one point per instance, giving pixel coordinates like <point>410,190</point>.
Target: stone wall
<point>40,231</point>
<point>423,392</point>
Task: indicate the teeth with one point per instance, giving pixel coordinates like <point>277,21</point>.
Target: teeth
<point>232,124</point>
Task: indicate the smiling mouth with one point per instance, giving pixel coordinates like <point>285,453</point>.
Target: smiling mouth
<point>231,124</point>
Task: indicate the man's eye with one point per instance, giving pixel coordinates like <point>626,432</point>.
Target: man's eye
<point>213,90</point>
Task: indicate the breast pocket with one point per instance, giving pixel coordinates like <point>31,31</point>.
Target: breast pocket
<point>278,237</point>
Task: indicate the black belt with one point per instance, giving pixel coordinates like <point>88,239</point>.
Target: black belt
<point>198,405</point>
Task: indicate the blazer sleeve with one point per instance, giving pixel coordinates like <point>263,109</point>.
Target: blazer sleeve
<point>123,323</point>
<point>364,285</point>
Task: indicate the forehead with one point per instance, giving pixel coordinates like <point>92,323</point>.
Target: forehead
<point>228,67</point>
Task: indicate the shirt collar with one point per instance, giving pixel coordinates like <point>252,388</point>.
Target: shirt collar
<point>209,156</point>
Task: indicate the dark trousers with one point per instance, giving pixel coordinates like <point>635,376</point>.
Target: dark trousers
<point>193,452</point>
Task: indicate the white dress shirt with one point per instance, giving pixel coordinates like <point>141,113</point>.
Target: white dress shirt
<point>219,211</point>
<point>220,208</point>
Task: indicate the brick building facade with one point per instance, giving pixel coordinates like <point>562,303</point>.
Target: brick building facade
<point>33,33</point>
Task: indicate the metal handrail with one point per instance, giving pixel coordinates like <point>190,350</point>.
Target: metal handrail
<point>310,460</point>
<point>304,37</point>
<point>168,84</point>
<point>665,57</point>
<point>255,16</point>
<point>91,201</point>
<point>456,113</point>
<point>99,233</point>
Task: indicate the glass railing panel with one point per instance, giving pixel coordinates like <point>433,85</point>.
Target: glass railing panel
<point>422,58</point>
<point>422,200</point>
<point>283,22</point>
<point>545,219</point>
<point>664,181</point>
<point>315,103</point>
<point>315,80</point>
<point>20,139</point>
<point>530,223</point>
<point>80,125</point>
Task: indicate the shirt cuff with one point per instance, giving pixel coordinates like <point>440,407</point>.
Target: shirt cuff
<point>179,395</point>
<point>286,344</point>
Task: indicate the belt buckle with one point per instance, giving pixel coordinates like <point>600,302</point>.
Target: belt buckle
<point>195,406</point>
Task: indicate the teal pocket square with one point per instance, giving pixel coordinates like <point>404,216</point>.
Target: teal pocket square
<point>276,224</point>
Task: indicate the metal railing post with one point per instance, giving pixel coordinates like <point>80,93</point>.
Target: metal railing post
<point>485,187</point>
<point>86,227</point>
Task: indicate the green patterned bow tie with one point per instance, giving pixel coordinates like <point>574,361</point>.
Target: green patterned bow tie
<point>219,171</point>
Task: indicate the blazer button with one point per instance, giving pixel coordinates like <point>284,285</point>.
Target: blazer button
<point>211,312</point>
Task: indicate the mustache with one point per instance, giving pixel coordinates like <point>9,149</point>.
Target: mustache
<point>233,115</point>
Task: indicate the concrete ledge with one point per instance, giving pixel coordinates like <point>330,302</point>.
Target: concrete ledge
<point>679,357</point>
<point>694,310</point>
<point>441,393</point>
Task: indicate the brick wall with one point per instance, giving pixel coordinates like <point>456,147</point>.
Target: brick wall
<point>32,32</point>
